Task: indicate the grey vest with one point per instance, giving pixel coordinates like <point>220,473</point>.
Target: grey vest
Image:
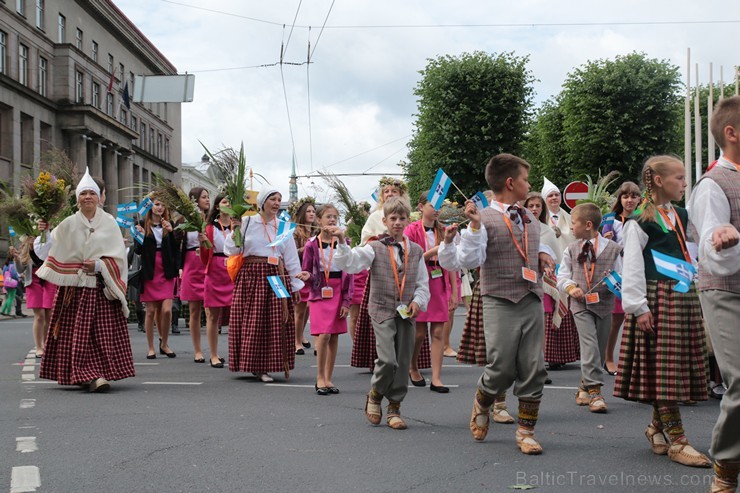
<point>383,290</point>
<point>604,263</point>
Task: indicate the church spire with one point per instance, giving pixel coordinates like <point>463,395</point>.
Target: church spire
<point>293,189</point>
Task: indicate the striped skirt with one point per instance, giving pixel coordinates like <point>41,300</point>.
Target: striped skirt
<point>561,343</point>
<point>669,365</point>
<point>88,338</point>
<point>261,326</point>
<point>472,349</point>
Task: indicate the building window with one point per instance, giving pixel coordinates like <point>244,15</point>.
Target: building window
<point>134,123</point>
<point>167,150</point>
<point>95,52</point>
<point>23,64</point>
<point>151,140</point>
<point>122,116</point>
<point>20,7</point>
<point>3,51</point>
<point>40,14</point>
<point>80,87</point>
<point>131,84</point>
<point>160,150</point>
<point>109,104</point>
<point>62,27</point>
<point>110,63</point>
<point>121,75</point>
<point>78,36</point>
<point>142,136</point>
<point>96,95</point>
<point>43,65</point>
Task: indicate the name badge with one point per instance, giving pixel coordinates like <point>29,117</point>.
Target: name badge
<point>436,273</point>
<point>327,292</point>
<point>404,311</point>
<point>592,298</point>
<point>197,251</point>
<point>529,274</point>
<point>273,260</point>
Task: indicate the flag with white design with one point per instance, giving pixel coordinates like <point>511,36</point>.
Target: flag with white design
<point>278,287</point>
<point>145,206</point>
<point>438,191</point>
<point>375,195</point>
<point>675,268</point>
<point>613,282</point>
<point>284,216</point>
<point>137,235</point>
<point>480,201</point>
<point>285,230</point>
<point>607,219</point>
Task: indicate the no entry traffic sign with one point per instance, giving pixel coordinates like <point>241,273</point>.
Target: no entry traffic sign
<point>575,191</point>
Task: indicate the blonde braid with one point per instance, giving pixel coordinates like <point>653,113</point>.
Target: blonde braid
<point>648,212</point>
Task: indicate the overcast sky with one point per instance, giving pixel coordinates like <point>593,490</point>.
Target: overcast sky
<point>362,78</point>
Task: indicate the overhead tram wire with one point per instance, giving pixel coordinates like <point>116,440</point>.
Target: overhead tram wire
<point>292,26</point>
<point>322,30</point>
<point>384,159</point>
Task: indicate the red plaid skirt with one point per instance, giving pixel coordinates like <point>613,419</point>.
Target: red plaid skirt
<point>261,326</point>
<point>670,365</point>
<point>425,354</point>
<point>92,340</point>
<point>364,353</point>
<point>561,343</point>
<point>472,349</point>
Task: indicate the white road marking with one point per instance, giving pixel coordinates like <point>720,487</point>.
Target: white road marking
<point>25,445</point>
<point>171,383</point>
<point>29,361</point>
<point>146,364</point>
<point>28,377</point>
<point>27,403</point>
<point>36,381</point>
<point>289,385</point>
<point>450,386</point>
<point>562,388</point>
<point>443,366</point>
<point>29,368</point>
<point>25,479</point>
<point>26,427</point>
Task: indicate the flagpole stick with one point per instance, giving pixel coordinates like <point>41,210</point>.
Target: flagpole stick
<point>458,189</point>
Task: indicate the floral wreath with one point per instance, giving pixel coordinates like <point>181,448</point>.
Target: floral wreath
<point>387,181</point>
<point>296,206</point>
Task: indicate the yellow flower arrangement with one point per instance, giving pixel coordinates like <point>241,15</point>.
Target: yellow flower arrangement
<point>47,196</point>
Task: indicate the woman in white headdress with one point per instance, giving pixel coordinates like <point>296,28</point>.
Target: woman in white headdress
<point>88,342</point>
<point>262,325</point>
<point>558,219</point>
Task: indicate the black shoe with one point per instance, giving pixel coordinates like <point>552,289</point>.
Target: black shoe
<point>441,389</point>
<point>140,328</point>
<point>718,391</point>
<point>554,366</point>
<point>171,354</point>
<point>22,315</point>
<point>306,344</point>
<point>300,352</point>
<point>199,360</point>
<point>418,383</point>
<point>612,373</point>
<point>220,364</point>
<point>175,330</point>
<point>151,356</point>
<point>222,360</point>
<point>333,390</point>
<point>321,390</point>
<point>548,381</point>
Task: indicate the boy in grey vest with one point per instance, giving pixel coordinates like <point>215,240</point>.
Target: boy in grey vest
<point>714,210</point>
<point>504,240</point>
<point>398,292</point>
<point>585,263</point>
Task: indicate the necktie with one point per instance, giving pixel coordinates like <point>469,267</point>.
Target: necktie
<point>428,228</point>
<point>586,252</point>
<point>516,214</point>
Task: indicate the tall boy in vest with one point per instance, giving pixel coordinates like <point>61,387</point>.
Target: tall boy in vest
<point>714,210</point>
<point>399,291</point>
<point>585,262</point>
<point>504,239</point>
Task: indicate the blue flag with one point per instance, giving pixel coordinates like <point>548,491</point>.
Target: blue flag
<point>137,236</point>
<point>284,216</point>
<point>11,231</point>
<point>284,231</point>
<point>124,222</point>
<point>480,201</point>
<point>613,281</point>
<point>145,206</point>
<point>608,219</point>
<point>375,195</point>
<point>675,268</point>
<point>440,187</point>
<point>278,287</point>
<point>124,208</point>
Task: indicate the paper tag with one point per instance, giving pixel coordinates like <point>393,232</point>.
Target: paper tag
<point>436,273</point>
<point>327,292</point>
<point>404,311</point>
<point>529,274</point>
<point>592,298</point>
<point>273,260</point>
<point>226,261</point>
<point>197,251</point>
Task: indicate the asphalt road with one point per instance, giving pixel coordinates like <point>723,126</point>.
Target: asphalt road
<point>181,426</point>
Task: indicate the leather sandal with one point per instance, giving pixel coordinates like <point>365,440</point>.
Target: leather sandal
<point>373,411</point>
<point>500,414</point>
<point>527,443</point>
<point>685,454</point>
<point>597,404</point>
<point>479,421</point>
<point>394,418</point>
<point>657,439</point>
<point>722,486</point>
<point>582,398</point>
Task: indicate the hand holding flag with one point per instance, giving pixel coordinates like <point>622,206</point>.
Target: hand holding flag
<point>480,201</point>
<point>674,268</point>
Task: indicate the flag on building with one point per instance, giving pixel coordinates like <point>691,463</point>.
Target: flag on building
<point>126,97</point>
<point>675,268</point>
<point>112,80</point>
<point>440,187</point>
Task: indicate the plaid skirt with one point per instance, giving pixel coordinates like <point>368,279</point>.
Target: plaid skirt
<point>91,339</point>
<point>671,364</point>
<point>364,353</point>
<point>261,325</point>
<point>472,349</point>
<point>425,354</point>
<point>561,343</point>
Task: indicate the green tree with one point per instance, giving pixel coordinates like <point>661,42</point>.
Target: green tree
<point>613,114</point>
<point>470,108</point>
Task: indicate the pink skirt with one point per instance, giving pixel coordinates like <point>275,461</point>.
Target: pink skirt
<point>438,300</point>
<point>305,292</point>
<point>617,306</point>
<point>548,303</point>
<point>359,280</point>
<point>40,293</point>
<point>218,289</point>
<point>159,288</point>
<point>192,284</point>
<point>324,314</point>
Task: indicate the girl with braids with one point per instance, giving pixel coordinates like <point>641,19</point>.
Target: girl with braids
<point>192,287</point>
<point>628,197</point>
<point>302,213</point>
<point>661,360</point>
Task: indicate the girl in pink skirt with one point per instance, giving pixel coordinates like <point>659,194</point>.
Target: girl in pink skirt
<point>302,213</point>
<point>628,198</point>
<point>330,292</point>
<point>159,269</point>
<point>192,282</point>
<point>218,288</point>
<point>428,233</point>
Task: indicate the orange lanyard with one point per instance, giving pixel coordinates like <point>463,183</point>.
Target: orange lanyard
<point>400,285</point>
<point>681,236</point>
<point>222,228</point>
<point>426,240</point>
<point>524,252</point>
<point>737,166</point>
<point>327,267</point>
<point>269,240</point>
<point>590,275</point>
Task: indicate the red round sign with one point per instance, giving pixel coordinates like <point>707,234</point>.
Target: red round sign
<point>575,191</point>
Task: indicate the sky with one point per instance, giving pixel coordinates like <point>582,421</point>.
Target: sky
<point>358,88</point>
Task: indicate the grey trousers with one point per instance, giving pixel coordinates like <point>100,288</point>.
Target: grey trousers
<point>722,311</point>
<point>394,342</point>
<point>593,334</point>
<point>515,333</point>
